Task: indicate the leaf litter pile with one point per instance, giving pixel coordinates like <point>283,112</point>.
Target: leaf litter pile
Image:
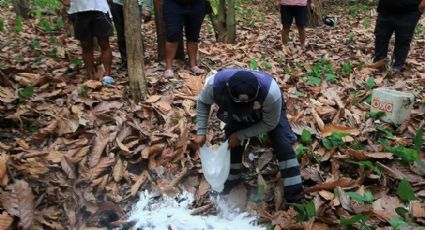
<point>76,153</point>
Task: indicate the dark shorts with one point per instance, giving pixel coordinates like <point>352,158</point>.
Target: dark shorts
<point>89,24</point>
<point>190,16</point>
<point>288,13</point>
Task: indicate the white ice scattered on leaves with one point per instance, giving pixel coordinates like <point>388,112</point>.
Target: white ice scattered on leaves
<point>152,214</point>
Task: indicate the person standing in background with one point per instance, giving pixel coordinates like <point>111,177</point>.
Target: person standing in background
<point>118,17</point>
<point>91,19</point>
<point>398,17</point>
<point>290,9</point>
<point>190,15</point>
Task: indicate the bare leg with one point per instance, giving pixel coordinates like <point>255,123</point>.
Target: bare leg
<point>192,50</point>
<point>285,34</point>
<point>87,46</point>
<point>170,53</point>
<point>106,51</point>
<point>301,31</point>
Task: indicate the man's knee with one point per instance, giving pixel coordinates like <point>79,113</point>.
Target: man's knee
<point>104,43</point>
<point>87,45</point>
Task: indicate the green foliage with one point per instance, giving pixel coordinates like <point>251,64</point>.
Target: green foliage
<point>402,212</point>
<point>376,114</point>
<point>260,192</point>
<point>267,65</point>
<point>351,38</point>
<point>84,90</point>
<point>1,25</point>
<point>26,93</point>
<point>398,223</point>
<point>359,218</point>
<point>35,43</point>
<point>19,26</point>
<point>50,5</point>
<point>367,164</point>
<point>366,23</point>
<point>253,64</point>
<point>405,191</point>
<point>305,211</point>
<point>305,136</point>
<point>367,198</point>
<point>370,83</point>
<point>409,155</point>
<point>299,94</point>
<point>300,150</point>
<point>388,132</point>
<point>346,68</point>
<point>419,140</point>
<point>322,69</point>
<point>420,29</point>
<point>334,141</point>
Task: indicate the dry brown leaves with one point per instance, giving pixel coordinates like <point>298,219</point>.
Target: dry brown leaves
<point>76,143</point>
<point>18,201</point>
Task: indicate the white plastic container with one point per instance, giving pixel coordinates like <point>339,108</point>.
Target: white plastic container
<point>396,104</point>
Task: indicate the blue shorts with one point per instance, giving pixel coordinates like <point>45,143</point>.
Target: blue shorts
<point>190,16</point>
<point>288,13</point>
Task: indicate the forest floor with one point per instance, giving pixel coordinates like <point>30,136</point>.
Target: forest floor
<point>75,153</point>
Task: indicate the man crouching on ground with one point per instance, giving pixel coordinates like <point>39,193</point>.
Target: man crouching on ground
<point>251,103</point>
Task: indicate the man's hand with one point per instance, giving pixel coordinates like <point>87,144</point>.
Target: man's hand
<point>66,3</point>
<point>146,16</point>
<point>234,141</point>
<point>200,141</point>
<point>422,6</point>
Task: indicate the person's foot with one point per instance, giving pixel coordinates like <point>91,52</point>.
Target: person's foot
<point>229,185</point>
<point>168,73</point>
<point>378,64</point>
<point>196,70</point>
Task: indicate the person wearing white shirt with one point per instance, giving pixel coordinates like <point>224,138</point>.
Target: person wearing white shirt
<point>91,18</point>
<point>118,16</point>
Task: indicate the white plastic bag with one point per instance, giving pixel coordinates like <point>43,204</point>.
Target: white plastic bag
<point>216,165</point>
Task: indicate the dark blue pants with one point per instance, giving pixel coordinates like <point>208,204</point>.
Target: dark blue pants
<point>403,26</point>
<point>190,16</point>
<point>118,17</point>
<point>282,138</point>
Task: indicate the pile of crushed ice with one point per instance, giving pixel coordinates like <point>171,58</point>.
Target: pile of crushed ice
<point>167,213</point>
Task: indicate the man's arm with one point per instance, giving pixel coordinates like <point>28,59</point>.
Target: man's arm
<point>271,117</point>
<point>203,106</point>
<point>422,6</point>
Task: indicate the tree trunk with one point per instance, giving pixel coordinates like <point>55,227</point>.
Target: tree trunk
<point>135,55</point>
<point>231,21</point>
<point>22,8</point>
<point>224,23</point>
<point>160,33</point>
<point>315,14</point>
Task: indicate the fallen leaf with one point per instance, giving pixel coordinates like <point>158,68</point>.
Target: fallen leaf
<point>417,209</point>
<point>5,221</point>
<point>330,128</point>
<point>384,208</point>
<point>67,125</point>
<point>7,95</point>
<point>99,168</point>
<point>92,84</point>
<point>153,98</point>
<point>106,106</point>
<point>99,145</point>
<point>118,170</point>
<point>139,182</point>
<point>4,158</point>
<point>68,167</point>
<point>29,79</point>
